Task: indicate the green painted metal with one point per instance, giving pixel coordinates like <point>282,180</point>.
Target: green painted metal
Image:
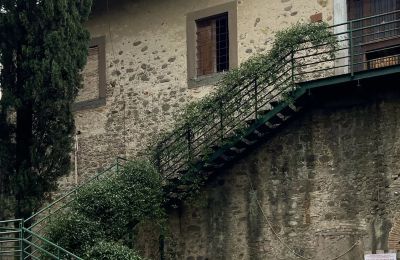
<point>351,48</point>
<point>18,242</point>
<point>314,69</point>
<point>39,247</point>
<point>64,200</point>
<point>340,79</point>
<point>26,239</point>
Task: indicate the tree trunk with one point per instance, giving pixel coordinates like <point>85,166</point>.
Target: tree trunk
<point>23,160</point>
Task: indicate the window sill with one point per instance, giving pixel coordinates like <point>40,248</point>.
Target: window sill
<point>206,80</point>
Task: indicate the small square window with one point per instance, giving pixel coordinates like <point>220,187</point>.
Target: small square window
<point>93,92</point>
<point>212,45</point>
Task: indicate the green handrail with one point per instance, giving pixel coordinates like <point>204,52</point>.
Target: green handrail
<point>19,242</point>
<point>35,220</point>
<point>183,147</point>
<point>179,152</point>
<point>45,248</point>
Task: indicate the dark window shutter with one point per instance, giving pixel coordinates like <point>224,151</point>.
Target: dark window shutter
<point>206,47</point>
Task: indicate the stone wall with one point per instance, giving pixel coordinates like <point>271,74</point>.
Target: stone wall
<point>323,185</point>
<point>146,68</point>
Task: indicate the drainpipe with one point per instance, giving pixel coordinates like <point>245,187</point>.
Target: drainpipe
<point>76,156</point>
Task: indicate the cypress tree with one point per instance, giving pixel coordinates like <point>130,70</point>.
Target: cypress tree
<point>43,48</point>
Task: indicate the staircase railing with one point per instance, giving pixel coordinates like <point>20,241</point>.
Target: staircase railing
<point>17,242</point>
<point>192,146</point>
<point>254,99</point>
<point>35,226</point>
<point>66,199</point>
<point>10,239</point>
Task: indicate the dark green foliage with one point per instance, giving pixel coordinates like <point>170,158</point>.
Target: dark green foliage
<point>110,251</point>
<point>123,200</point>
<point>43,48</point>
<point>110,208</point>
<point>220,118</point>
<point>6,199</point>
<point>74,232</point>
<point>260,66</point>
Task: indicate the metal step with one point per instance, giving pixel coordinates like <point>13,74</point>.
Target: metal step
<point>275,120</point>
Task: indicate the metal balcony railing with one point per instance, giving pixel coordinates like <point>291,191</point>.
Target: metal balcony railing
<point>363,45</point>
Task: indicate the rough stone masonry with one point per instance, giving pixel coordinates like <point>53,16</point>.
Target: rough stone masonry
<point>325,184</point>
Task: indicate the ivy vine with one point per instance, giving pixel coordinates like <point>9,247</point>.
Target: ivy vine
<point>227,101</point>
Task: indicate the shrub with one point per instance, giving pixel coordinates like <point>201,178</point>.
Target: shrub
<point>122,201</point>
<point>110,251</point>
<point>74,232</point>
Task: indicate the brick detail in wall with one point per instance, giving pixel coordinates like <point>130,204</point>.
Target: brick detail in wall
<point>394,235</point>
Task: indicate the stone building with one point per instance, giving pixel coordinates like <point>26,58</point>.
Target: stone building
<point>324,186</point>
<point>142,65</point>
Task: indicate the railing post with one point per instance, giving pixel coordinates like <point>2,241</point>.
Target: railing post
<point>21,239</point>
<point>292,67</point>
<point>189,142</point>
<point>221,119</point>
<point>255,98</point>
<point>351,48</point>
<point>117,166</point>
<point>158,158</point>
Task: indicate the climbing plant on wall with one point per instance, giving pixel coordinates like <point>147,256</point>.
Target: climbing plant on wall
<point>208,118</point>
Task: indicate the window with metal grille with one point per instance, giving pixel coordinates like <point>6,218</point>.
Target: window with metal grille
<point>212,44</point>
<point>375,32</point>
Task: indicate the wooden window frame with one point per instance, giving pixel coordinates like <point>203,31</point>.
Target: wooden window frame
<point>99,42</point>
<point>191,28</point>
<point>209,41</point>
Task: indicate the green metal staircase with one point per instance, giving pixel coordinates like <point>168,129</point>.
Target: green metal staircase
<point>257,108</point>
<point>261,106</point>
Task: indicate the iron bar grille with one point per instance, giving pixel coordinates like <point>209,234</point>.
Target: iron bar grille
<point>368,43</point>
<point>212,45</point>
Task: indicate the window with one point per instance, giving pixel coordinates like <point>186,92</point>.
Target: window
<point>93,92</point>
<point>383,58</point>
<point>376,39</point>
<point>211,43</point>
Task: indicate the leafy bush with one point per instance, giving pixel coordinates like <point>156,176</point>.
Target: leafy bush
<point>111,251</point>
<point>74,232</point>
<point>109,209</point>
<point>122,201</point>
<point>262,66</point>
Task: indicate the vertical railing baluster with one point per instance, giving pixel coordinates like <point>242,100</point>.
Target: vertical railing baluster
<point>292,67</point>
<point>158,158</point>
<point>21,239</point>
<point>221,119</point>
<point>351,48</point>
<point>117,166</point>
<point>189,142</point>
<point>255,98</point>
